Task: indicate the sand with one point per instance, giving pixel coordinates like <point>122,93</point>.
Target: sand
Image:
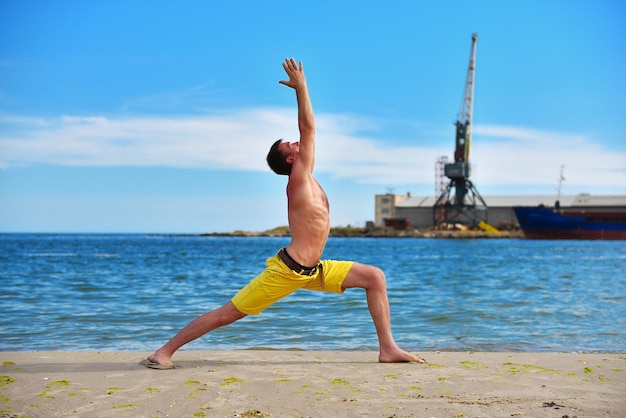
<point>273,383</point>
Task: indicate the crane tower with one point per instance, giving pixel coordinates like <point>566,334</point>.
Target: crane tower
<point>460,202</point>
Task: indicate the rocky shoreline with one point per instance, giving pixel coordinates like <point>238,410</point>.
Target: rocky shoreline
<point>349,232</point>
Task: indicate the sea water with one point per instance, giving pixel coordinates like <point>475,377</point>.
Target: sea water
<point>133,292</point>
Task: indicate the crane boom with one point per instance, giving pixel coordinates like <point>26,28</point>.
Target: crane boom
<point>464,124</point>
<point>468,97</point>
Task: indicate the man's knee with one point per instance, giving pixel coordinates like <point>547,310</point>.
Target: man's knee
<point>365,277</point>
<point>229,313</point>
<point>378,278</point>
<point>374,279</point>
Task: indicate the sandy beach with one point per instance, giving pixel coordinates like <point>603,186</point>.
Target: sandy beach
<point>272,383</point>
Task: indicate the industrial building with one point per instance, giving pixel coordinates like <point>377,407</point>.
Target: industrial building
<point>418,211</point>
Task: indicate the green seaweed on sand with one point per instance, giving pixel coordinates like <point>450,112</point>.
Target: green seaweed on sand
<point>50,386</point>
<point>112,390</point>
<point>254,413</point>
<point>518,367</point>
<point>123,406</point>
<point>340,382</point>
<point>194,392</point>
<point>230,380</point>
<point>6,381</point>
<point>437,366</point>
<point>473,365</point>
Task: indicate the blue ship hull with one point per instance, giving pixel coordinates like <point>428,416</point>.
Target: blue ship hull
<point>540,222</point>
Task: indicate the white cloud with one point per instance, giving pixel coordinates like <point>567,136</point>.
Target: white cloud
<point>519,156</point>
<point>239,139</point>
<point>222,141</point>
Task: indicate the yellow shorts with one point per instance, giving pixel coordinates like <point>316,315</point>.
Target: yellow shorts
<point>278,281</point>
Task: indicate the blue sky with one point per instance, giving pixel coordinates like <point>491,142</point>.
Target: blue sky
<point>155,116</point>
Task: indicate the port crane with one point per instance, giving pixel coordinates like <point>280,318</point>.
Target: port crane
<point>460,201</point>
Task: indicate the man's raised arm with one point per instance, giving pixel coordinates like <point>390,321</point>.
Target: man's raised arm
<point>306,120</point>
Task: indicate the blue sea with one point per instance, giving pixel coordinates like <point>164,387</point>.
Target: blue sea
<point>96,292</point>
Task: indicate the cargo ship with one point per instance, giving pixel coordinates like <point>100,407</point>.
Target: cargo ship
<point>541,222</point>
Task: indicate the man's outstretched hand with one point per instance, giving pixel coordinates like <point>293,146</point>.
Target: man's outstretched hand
<point>295,73</point>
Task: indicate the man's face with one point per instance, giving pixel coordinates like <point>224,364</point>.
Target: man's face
<point>289,149</point>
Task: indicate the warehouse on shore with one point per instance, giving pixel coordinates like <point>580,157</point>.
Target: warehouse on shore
<point>418,211</point>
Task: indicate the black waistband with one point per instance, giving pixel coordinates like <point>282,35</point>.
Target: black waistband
<point>294,265</point>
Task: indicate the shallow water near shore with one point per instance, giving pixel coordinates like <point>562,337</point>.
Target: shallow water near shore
<point>79,292</point>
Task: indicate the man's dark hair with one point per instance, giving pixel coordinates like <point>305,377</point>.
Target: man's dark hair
<point>277,160</point>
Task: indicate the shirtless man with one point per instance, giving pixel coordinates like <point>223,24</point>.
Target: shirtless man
<point>287,271</point>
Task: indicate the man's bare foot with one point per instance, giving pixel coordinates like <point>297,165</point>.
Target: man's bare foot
<point>161,359</point>
<point>399,356</point>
